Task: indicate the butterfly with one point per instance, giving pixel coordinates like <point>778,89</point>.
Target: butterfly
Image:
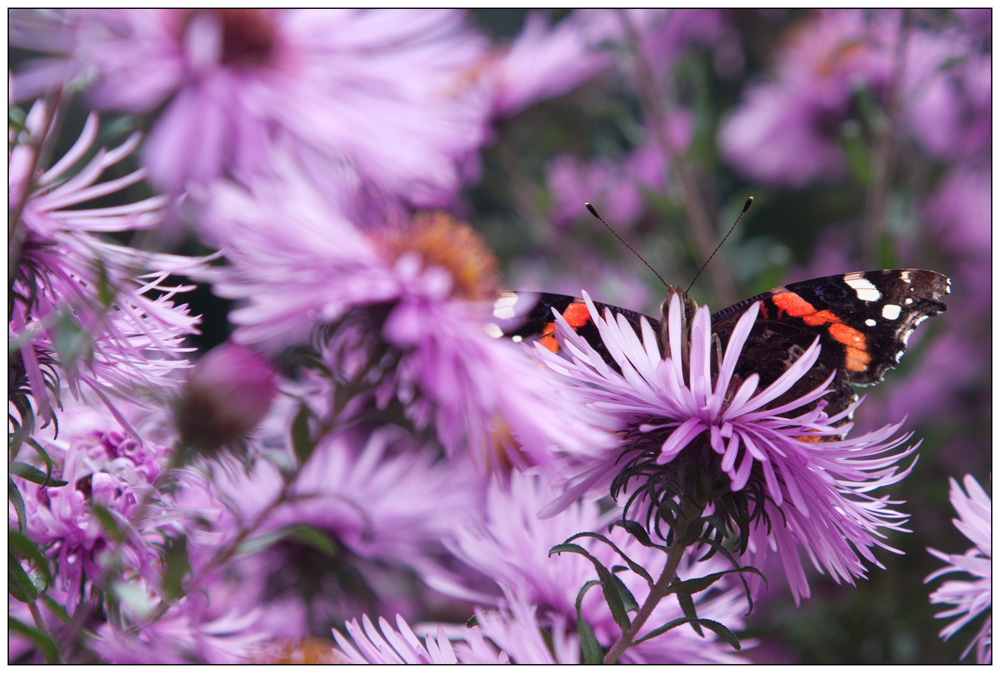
<point>863,321</point>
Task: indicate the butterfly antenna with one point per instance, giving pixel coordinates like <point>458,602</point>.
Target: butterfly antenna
<point>746,207</point>
<point>593,211</point>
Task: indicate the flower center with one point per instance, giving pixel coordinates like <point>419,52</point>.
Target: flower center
<point>454,246</point>
<point>247,37</point>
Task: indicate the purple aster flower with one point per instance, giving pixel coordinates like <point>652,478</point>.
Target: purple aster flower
<point>422,292</point>
<point>509,544</point>
<point>512,635</point>
<point>70,286</point>
<point>349,83</point>
<point>103,467</point>
<point>792,462</point>
<point>971,597</point>
<point>392,646</point>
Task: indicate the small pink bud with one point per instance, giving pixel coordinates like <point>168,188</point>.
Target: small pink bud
<point>227,395</point>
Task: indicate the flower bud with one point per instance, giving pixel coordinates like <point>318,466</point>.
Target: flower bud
<point>227,395</point>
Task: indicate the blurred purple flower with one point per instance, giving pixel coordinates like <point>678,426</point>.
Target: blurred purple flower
<point>816,491</point>
<point>509,544</point>
<point>79,299</point>
<point>616,187</point>
<point>424,289</point>
<point>970,598</point>
<point>227,394</point>
<point>387,91</point>
<point>384,502</point>
<point>543,62</point>
<point>182,635</point>
<point>670,37</point>
<point>950,109</point>
<point>787,131</point>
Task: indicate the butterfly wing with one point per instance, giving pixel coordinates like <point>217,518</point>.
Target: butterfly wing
<point>863,320</point>
<point>527,316</point>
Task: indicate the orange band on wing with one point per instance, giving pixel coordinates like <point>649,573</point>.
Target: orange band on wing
<point>576,315</point>
<point>857,354</point>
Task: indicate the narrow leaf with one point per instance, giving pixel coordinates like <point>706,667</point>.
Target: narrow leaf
<point>19,585</point>
<point>635,567</point>
<point>722,631</point>
<point>24,548</point>
<point>607,584</point>
<point>33,474</point>
<point>44,642</point>
<point>302,443</point>
<point>687,607</point>
<point>590,649</point>
<point>177,565</point>
<point>14,496</point>
<point>108,521</point>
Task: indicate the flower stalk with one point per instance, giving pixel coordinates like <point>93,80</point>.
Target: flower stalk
<point>682,540</point>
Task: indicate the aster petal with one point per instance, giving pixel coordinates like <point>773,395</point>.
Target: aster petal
<point>679,438</point>
<point>735,347</point>
<point>701,359</point>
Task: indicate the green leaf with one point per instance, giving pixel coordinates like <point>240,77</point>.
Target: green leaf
<point>302,442</point>
<point>701,583</point>
<point>19,585</point>
<point>635,567</point>
<point>14,496</point>
<point>635,529</point>
<point>687,607</point>
<point>19,544</point>
<point>628,600</point>
<point>722,631</point>
<point>176,566</point>
<point>608,585</point>
<point>44,455</point>
<point>713,626</point>
<point>590,649</point>
<point>33,474</point>
<point>856,151</point>
<point>105,293</point>
<point>302,533</point>
<point>672,624</point>
<point>314,538</point>
<point>108,521</point>
<point>44,642</point>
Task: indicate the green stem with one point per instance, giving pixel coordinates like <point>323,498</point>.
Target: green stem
<point>659,590</point>
<point>878,195</point>
<point>36,615</point>
<point>653,101</point>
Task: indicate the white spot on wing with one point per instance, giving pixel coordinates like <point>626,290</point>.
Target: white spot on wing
<point>891,311</point>
<point>864,288</point>
<point>905,276</point>
<point>909,300</point>
<point>494,330</point>
<point>517,338</point>
<point>870,322</point>
<point>503,308</point>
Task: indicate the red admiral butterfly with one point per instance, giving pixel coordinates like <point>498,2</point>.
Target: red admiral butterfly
<point>863,321</point>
